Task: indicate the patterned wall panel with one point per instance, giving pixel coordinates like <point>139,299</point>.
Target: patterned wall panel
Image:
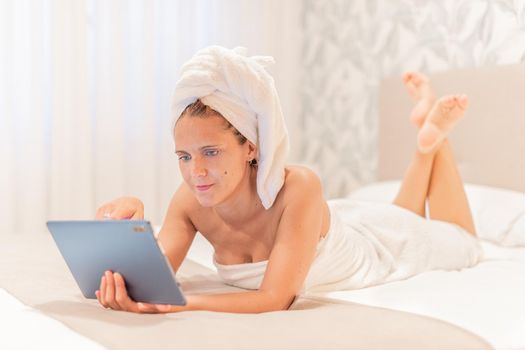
<point>350,45</point>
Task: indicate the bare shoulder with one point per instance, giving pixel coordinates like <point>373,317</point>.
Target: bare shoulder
<point>182,206</point>
<point>178,231</point>
<point>300,182</point>
<point>185,197</point>
<point>299,179</point>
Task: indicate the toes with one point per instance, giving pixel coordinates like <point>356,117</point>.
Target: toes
<point>447,111</point>
<point>411,80</point>
<point>462,101</point>
<point>415,78</point>
<point>418,85</point>
<point>406,76</point>
<point>448,103</point>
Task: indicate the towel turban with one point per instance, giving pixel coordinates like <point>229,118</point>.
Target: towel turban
<point>241,90</point>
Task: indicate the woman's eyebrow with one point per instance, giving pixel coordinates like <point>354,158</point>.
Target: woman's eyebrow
<point>209,146</point>
<point>200,148</point>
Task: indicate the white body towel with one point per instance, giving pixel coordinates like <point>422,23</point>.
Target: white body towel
<point>370,243</point>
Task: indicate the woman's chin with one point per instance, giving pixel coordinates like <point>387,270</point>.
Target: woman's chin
<point>206,202</point>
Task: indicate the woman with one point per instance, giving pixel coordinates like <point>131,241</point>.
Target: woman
<point>272,231</point>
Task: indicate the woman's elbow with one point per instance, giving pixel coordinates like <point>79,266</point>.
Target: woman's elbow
<point>282,303</point>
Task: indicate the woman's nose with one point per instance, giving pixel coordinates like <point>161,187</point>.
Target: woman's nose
<point>198,169</point>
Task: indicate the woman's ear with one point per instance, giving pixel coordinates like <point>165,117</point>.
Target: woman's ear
<point>252,151</point>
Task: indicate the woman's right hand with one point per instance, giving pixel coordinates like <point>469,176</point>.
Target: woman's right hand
<point>120,209</point>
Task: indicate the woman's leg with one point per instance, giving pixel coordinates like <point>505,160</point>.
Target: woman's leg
<point>414,188</point>
<point>447,200</point>
<point>413,192</point>
<point>434,174</point>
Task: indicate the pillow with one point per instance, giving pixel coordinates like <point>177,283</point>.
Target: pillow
<point>499,214</point>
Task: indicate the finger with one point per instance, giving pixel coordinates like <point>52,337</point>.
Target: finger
<point>110,291</point>
<point>153,308</point>
<point>102,291</point>
<point>104,212</point>
<point>121,294</point>
<point>100,213</point>
<point>121,213</point>
<point>139,215</point>
<point>97,294</point>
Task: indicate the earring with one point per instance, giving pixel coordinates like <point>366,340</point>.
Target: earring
<point>252,162</point>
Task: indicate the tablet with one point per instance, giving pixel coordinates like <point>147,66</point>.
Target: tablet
<point>128,247</point>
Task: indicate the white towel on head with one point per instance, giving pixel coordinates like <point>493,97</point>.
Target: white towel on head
<point>240,89</point>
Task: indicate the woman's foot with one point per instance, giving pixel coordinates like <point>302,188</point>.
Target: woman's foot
<point>446,112</point>
<point>418,86</point>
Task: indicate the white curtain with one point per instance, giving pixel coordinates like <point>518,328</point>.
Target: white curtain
<point>85,89</point>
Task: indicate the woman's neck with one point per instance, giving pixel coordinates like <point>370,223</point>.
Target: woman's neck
<point>243,205</point>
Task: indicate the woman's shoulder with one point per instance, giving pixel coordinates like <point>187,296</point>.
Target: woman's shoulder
<point>185,199</point>
<point>300,172</point>
<point>299,178</point>
<point>302,189</point>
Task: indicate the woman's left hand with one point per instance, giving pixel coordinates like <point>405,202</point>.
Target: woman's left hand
<point>114,295</point>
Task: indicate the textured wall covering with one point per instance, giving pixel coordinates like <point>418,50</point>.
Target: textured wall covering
<point>350,45</point>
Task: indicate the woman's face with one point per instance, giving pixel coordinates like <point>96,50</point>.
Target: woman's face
<point>211,160</point>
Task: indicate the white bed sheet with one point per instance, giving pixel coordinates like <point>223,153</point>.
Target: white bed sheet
<point>24,327</point>
<point>487,299</point>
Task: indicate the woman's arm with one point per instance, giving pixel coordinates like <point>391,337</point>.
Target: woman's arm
<point>175,239</point>
<point>113,294</point>
<point>289,263</point>
<point>177,232</point>
<point>291,257</point>
<point>242,302</point>
<point>297,237</point>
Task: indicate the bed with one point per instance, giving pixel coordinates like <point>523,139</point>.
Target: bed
<point>478,308</point>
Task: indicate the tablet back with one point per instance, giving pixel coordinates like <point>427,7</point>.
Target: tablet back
<point>128,247</point>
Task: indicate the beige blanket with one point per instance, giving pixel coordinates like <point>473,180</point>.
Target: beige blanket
<point>32,269</point>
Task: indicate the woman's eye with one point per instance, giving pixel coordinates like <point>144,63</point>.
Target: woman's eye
<point>184,158</point>
<point>211,152</point>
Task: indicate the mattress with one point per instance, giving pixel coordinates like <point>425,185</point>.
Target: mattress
<point>27,328</point>
<point>486,300</point>
<point>36,279</point>
<point>476,308</point>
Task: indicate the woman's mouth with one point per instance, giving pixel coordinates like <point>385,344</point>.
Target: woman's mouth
<point>203,187</point>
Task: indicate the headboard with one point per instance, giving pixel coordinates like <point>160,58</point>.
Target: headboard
<point>489,143</point>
